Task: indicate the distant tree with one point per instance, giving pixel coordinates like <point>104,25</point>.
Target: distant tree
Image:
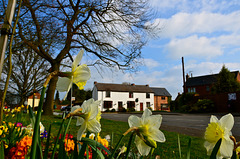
<point>29,71</point>
<point>80,95</point>
<point>57,99</point>
<point>111,32</point>
<point>226,82</point>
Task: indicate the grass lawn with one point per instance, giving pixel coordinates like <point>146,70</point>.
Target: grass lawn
<point>167,150</point>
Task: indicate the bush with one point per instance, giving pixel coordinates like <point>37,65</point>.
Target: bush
<point>203,105</point>
<point>107,110</point>
<point>122,110</point>
<point>130,109</point>
<point>113,110</point>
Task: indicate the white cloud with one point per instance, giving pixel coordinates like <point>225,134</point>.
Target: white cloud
<point>185,24</point>
<point>150,63</point>
<point>193,46</point>
<point>195,5</point>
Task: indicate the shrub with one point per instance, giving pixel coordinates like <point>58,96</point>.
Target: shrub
<point>130,109</point>
<point>113,110</point>
<point>107,110</point>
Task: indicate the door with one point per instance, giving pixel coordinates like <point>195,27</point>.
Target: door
<point>141,106</point>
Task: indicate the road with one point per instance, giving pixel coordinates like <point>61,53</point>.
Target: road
<point>189,124</point>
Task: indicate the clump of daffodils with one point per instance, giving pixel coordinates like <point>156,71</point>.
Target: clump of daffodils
<point>147,131</point>
<point>220,129</point>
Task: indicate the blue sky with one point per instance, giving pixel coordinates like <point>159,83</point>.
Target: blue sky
<point>205,32</point>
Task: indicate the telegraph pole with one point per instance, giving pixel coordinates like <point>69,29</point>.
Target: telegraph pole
<point>184,83</point>
<point>5,30</point>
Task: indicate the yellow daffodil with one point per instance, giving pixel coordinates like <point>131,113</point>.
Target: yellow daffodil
<point>220,129</point>
<point>87,119</point>
<point>79,75</point>
<point>148,132</point>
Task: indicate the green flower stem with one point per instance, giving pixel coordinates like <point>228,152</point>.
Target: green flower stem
<point>36,126</point>
<point>132,137</point>
<point>114,151</point>
<point>38,118</point>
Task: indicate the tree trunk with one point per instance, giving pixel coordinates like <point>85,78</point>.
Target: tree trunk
<point>48,105</point>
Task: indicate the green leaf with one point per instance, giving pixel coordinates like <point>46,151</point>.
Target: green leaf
<point>215,149</point>
<point>47,143</point>
<point>114,151</point>
<point>98,152</point>
<point>95,143</point>
<point>189,148</point>
<point>56,142</point>
<point>129,144</point>
<point>75,152</point>
<point>234,156</point>
<point>36,125</point>
<point>179,147</point>
<point>2,150</point>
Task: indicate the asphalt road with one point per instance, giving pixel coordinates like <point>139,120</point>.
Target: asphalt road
<point>189,124</point>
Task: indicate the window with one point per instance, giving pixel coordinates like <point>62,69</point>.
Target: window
<point>130,94</point>
<point>191,90</point>
<point>130,104</point>
<point>108,94</point>
<point>107,104</point>
<point>148,104</point>
<point>207,88</point>
<point>163,98</point>
<point>147,95</point>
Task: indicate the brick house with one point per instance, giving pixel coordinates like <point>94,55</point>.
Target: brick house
<point>161,99</point>
<point>202,85</point>
<point>34,99</point>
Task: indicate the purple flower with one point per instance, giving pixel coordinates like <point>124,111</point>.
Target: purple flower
<point>44,134</point>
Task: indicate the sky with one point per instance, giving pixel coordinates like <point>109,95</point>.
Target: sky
<point>205,32</point>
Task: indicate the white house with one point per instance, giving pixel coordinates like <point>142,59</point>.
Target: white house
<point>119,96</point>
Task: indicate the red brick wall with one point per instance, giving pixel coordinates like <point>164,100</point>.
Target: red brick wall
<point>222,104</point>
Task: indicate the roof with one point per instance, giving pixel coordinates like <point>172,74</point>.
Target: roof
<point>204,80</point>
<point>160,91</point>
<point>123,88</point>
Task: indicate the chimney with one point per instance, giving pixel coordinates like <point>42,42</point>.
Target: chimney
<point>147,85</point>
<point>95,82</point>
<point>187,77</point>
<point>132,84</point>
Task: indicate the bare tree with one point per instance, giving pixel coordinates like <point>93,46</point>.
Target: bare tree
<point>112,32</point>
<point>29,71</point>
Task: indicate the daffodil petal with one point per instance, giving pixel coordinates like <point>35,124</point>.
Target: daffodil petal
<point>143,149</point>
<point>77,60</point>
<point>227,121</point>
<point>226,148</point>
<point>94,111</point>
<point>63,84</point>
<point>80,121</point>
<point>81,74</point>
<point>213,119</point>
<point>209,147</point>
<point>154,120</point>
<point>156,135</point>
<point>81,131</point>
<point>86,105</point>
<point>146,113</point>
<point>134,121</point>
<point>75,108</point>
<point>94,126</point>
